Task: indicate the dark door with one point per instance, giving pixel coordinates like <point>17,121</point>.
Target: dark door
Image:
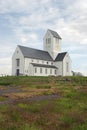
<point>17,72</point>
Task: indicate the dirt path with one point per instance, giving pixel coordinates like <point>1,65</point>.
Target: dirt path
<point>11,90</point>
<point>43,97</point>
<point>36,99</point>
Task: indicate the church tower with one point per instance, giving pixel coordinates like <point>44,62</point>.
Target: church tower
<point>52,43</point>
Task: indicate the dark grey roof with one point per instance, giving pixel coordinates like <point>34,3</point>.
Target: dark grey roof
<point>43,65</point>
<point>60,56</point>
<point>55,34</point>
<point>34,53</point>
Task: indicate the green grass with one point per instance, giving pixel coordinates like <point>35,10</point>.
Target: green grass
<point>2,98</point>
<point>28,127</point>
<point>69,112</point>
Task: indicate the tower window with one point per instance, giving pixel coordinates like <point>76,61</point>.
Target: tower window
<point>18,62</point>
<point>49,40</point>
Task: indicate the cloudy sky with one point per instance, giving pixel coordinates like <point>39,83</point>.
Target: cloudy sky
<point>24,22</point>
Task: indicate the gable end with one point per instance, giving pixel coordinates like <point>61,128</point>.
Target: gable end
<point>60,56</point>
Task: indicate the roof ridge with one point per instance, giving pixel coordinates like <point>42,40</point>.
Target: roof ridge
<point>32,48</point>
<point>54,33</point>
<point>62,52</point>
<point>35,53</point>
<point>52,30</point>
<point>60,56</point>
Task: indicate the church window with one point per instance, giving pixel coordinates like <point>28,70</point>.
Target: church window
<point>35,70</point>
<point>40,70</point>
<point>46,70</point>
<point>50,71</point>
<point>49,40</point>
<point>55,71</point>
<point>18,62</point>
<point>67,67</point>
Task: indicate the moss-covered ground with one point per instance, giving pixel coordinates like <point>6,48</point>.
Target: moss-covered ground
<point>66,112</point>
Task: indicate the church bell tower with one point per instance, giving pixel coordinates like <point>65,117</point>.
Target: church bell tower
<point>52,43</point>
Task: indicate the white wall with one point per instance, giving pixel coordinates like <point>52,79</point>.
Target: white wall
<point>50,71</point>
<point>17,55</point>
<point>59,65</point>
<point>56,47</point>
<point>62,66</point>
<point>66,60</point>
<point>29,69</point>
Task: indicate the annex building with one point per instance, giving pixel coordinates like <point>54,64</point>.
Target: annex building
<point>49,61</point>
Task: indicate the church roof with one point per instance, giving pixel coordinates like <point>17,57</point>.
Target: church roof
<point>40,54</point>
<point>43,65</point>
<point>35,53</point>
<point>55,34</point>
<point>60,56</point>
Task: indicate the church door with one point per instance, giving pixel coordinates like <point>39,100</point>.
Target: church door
<point>17,72</point>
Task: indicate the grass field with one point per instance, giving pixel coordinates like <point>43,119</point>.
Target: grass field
<point>67,112</point>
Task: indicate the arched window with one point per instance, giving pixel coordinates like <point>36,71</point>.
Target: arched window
<point>67,67</point>
<point>40,70</point>
<point>46,70</point>
<point>50,71</point>
<point>55,71</point>
<point>18,62</point>
<point>35,70</point>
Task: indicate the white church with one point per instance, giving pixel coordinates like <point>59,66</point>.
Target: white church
<point>47,62</point>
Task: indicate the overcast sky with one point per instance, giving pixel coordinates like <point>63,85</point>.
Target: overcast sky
<point>24,22</point>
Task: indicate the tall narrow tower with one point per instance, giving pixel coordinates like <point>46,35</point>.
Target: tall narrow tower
<point>52,43</point>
